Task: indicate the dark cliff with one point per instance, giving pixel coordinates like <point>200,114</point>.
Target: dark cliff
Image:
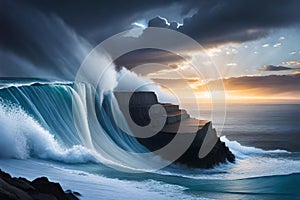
<point>176,121</point>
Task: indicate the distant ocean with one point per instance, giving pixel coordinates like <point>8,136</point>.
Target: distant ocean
<point>267,125</point>
<point>38,137</point>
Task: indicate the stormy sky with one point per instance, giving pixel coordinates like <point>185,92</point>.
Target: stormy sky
<point>51,38</point>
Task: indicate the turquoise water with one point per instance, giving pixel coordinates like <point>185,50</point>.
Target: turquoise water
<point>49,129</point>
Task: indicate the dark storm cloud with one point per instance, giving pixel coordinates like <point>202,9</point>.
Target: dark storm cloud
<point>44,38</point>
<point>144,56</point>
<point>37,44</point>
<point>216,21</point>
<point>53,37</point>
<point>276,68</point>
<point>97,20</point>
<point>219,22</point>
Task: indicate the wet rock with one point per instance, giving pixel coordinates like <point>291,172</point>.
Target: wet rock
<point>39,189</point>
<point>43,185</point>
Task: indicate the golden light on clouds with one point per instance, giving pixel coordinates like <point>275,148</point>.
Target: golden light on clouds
<point>214,51</point>
<point>247,89</point>
<point>296,72</point>
<point>249,96</point>
<point>293,62</point>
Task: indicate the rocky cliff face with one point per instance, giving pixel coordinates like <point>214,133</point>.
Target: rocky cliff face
<point>177,121</point>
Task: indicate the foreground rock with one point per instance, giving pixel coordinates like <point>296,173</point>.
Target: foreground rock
<point>12,188</point>
<point>175,121</point>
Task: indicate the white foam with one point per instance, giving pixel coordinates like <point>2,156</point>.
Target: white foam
<point>16,84</point>
<point>250,162</point>
<point>241,151</point>
<point>23,137</point>
<point>92,186</point>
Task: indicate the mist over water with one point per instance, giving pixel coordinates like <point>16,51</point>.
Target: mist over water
<point>130,81</point>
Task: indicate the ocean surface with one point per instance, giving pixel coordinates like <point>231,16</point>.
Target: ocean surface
<point>49,129</point>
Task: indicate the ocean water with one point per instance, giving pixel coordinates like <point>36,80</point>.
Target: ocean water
<point>49,129</point>
<point>267,126</point>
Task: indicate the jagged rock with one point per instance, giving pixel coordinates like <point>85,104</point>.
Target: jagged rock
<point>21,183</point>
<point>4,175</point>
<point>38,196</point>
<point>43,185</point>
<point>39,189</point>
<point>10,192</point>
<point>72,194</point>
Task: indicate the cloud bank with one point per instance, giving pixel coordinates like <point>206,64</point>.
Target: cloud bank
<point>267,68</point>
<point>276,86</point>
<point>218,22</point>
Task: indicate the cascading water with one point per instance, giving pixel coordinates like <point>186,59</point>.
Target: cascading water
<point>73,117</point>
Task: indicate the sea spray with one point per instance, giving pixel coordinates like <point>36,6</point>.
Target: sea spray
<point>242,151</point>
<point>23,137</point>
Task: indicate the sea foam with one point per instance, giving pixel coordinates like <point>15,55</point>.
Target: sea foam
<point>23,137</point>
<point>241,151</point>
